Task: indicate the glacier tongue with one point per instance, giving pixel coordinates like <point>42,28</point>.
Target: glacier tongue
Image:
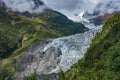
<point>72,48</point>
<point>50,56</point>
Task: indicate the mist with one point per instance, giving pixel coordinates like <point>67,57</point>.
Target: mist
<point>23,6</point>
<point>108,6</point>
<point>63,6</point>
<point>70,8</point>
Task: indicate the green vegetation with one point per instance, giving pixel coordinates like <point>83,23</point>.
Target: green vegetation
<point>32,77</point>
<point>18,32</point>
<point>6,72</point>
<point>61,23</point>
<point>102,60</point>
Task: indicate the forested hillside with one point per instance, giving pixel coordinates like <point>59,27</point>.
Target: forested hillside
<point>20,31</point>
<point>102,60</point>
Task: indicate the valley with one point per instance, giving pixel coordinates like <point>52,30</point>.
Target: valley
<point>42,42</point>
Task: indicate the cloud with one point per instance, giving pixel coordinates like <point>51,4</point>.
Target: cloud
<point>72,7</point>
<point>108,6</point>
<point>64,6</point>
<point>67,7</point>
<point>23,5</point>
<point>61,4</point>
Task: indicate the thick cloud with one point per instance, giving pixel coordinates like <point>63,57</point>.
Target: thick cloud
<point>108,6</point>
<point>72,7</point>
<point>23,5</point>
<point>61,4</point>
<point>64,6</point>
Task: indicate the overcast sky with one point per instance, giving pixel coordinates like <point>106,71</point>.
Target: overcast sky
<point>64,6</point>
<point>67,7</point>
<point>70,6</point>
<point>23,5</point>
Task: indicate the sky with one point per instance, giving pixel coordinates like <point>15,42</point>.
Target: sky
<point>23,5</point>
<point>70,8</point>
<point>70,4</point>
<point>64,6</point>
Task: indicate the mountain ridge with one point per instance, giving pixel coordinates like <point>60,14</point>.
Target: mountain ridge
<point>29,48</point>
<point>27,27</point>
<point>99,61</point>
<point>18,32</point>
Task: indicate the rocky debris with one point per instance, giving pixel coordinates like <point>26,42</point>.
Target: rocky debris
<point>53,76</point>
<point>29,61</point>
<point>51,56</point>
<point>73,48</point>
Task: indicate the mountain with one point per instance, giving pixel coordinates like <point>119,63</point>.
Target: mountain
<point>23,29</point>
<point>18,32</point>
<point>107,7</point>
<point>34,46</point>
<point>101,62</point>
<point>104,10</point>
<point>100,14</point>
<point>51,56</point>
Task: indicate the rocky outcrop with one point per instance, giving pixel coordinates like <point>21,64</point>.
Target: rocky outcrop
<point>50,56</point>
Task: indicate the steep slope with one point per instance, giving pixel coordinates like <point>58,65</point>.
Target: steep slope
<point>101,61</point>
<point>58,22</point>
<point>51,56</point>
<point>9,37</point>
<point>18,32</point>
<point>21,31</point>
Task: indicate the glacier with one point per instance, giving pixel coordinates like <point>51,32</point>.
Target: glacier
<point>52,55</point>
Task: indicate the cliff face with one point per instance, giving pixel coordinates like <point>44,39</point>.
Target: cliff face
<point>50,56</point>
